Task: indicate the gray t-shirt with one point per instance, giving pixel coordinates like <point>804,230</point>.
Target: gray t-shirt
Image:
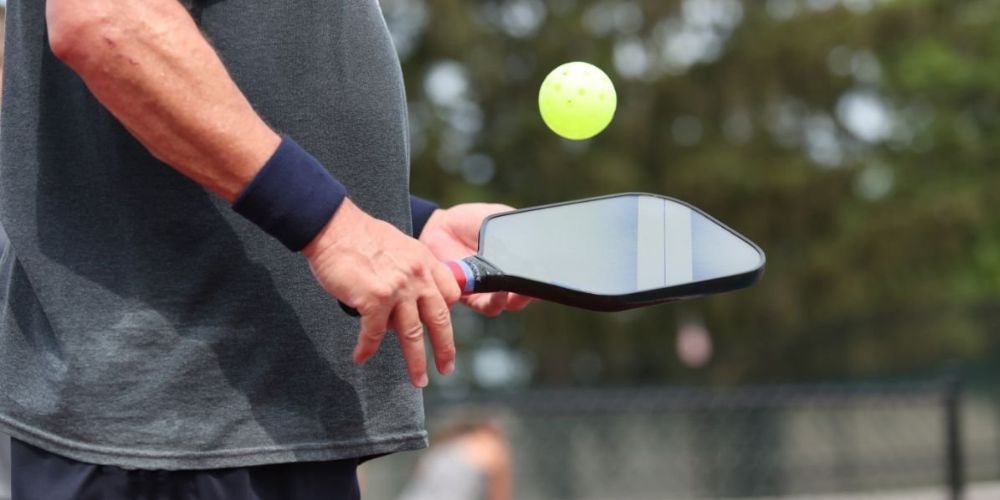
<point>143,323</point>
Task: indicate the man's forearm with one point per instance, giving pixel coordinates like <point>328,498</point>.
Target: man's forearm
<point>149,65</point>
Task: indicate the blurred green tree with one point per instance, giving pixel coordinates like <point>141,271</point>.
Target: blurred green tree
<point>857,141</point>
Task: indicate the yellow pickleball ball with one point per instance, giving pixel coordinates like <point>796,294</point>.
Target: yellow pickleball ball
<point>577,100</point>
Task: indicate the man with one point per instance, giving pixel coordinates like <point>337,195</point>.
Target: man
<point>158,343</point>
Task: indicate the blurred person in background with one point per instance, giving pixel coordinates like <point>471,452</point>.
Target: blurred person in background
<point>470,459</point>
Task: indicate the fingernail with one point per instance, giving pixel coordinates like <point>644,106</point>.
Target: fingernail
<point>448,368</point>
<point>423,381</point>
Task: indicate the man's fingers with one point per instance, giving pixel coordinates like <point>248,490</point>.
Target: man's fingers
<point>435,314</point>
<point>373,326</point>
<point>487,304</point>
<point>446,284</point>
<point>477,302</point>
<point>498,301</point>
<point>409,331</point>
<point>517,302</point>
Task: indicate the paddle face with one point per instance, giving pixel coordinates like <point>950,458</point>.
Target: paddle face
<point>612,253</point>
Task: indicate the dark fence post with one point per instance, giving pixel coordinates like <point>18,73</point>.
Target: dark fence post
<point>955,465</point>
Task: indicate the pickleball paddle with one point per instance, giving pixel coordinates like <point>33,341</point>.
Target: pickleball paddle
<point>609,253</point>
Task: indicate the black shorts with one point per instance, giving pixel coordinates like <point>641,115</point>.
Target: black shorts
<point>38,474</point>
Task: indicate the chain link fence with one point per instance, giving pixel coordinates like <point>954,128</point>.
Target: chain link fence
<point>911,440</point>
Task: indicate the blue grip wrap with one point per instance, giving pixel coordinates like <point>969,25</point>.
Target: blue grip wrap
<point>292,197</point>
<point>470,276</point>
<point>420,212</point>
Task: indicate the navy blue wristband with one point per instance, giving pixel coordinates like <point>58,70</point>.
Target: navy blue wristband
<point>420,212</point>
<point>292,197</point>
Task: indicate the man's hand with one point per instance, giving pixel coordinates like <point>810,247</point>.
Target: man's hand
<point>453,234</point>
<point>392,281</point>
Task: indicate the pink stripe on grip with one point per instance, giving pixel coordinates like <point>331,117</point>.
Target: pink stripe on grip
<point>459,274</point>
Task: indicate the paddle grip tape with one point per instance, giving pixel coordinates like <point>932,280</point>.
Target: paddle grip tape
<point>292,197</point>
<point>464,275</point>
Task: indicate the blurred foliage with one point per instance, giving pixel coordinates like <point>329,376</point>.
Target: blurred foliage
<point>856,141</point>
